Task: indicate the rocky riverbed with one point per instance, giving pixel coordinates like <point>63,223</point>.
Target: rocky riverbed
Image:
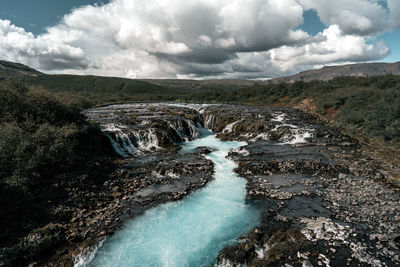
<point>322,202</point>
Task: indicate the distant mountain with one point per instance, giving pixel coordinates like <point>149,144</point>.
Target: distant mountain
<point>11,69</point>
<point>355,70</point>
<point>197,85</point>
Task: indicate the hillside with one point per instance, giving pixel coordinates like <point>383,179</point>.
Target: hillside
<point>101,84</point>
<point>353,70</point>
<point>11,69</point>
<point>94,84</point>
<point>198,85</point>
<point>89,90</point>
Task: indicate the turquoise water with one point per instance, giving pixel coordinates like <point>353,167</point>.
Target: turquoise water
<point>190,232</point>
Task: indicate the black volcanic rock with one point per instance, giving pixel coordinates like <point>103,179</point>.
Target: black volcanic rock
<point>322,201</point>
<point>204,150</point>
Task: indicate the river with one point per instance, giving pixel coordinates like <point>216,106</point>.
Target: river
<point>190,232</point>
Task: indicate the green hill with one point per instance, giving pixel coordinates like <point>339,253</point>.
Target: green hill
<point>354,70</point>
<point>11,69</point>
<point>88,90</point>
<point>96,84</point>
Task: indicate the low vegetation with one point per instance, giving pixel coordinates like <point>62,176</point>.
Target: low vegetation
<point>369,106</point>
<point>45,145</point>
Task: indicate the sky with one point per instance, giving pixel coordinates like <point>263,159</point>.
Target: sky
<point>199,39</point>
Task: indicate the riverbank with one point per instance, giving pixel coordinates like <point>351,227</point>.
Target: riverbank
<point>323,202</point>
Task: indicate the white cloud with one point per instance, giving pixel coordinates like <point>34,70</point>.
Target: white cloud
<point>353,16</point>
<point>330,46</point>
<point>394,13</point>
<point>201,38</point>
<point>337,47</point>
<point>205,40</point>
<point>226,43</point>
<point>21,46</point>
<point>260,25</point>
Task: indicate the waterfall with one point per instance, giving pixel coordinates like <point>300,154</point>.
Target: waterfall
<point>146,139</point>
<point>186,129</point>
<point>117,147</point>
<point>194,129</point>
<point>209,121</point>
<point>150,133</point>
<point>177,127</point>
<point>127,142</point>
<point>230,127</point>
<point>295,135</point>
<point>120,141</point>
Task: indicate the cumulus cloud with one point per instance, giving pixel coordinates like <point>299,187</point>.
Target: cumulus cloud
<point>18,45</point>
<point>207,38</point>
<point>361,17</point>
<point>352,16</point>
<point>337,47</point>
<point>394,13</point>
<point>330,46</point>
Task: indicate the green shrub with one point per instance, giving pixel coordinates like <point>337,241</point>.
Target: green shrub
<point>42,141</point>
<point>10,138</point>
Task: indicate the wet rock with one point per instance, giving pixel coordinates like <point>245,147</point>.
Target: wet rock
<point>204,150</point>
<point>329,191</point>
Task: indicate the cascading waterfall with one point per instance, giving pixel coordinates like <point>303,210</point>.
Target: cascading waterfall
<point>131,141</point>
<point>230,127</point>
<point>175,125</point>
<point>190,232</point>
<point>145,139</point>
<point>209,121</point>
<point>179,127</point>
<point>194,129</point>
<point>123,152</point>
<point>119,139</point>
<point>296,135</point>
<point>126,143</point>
